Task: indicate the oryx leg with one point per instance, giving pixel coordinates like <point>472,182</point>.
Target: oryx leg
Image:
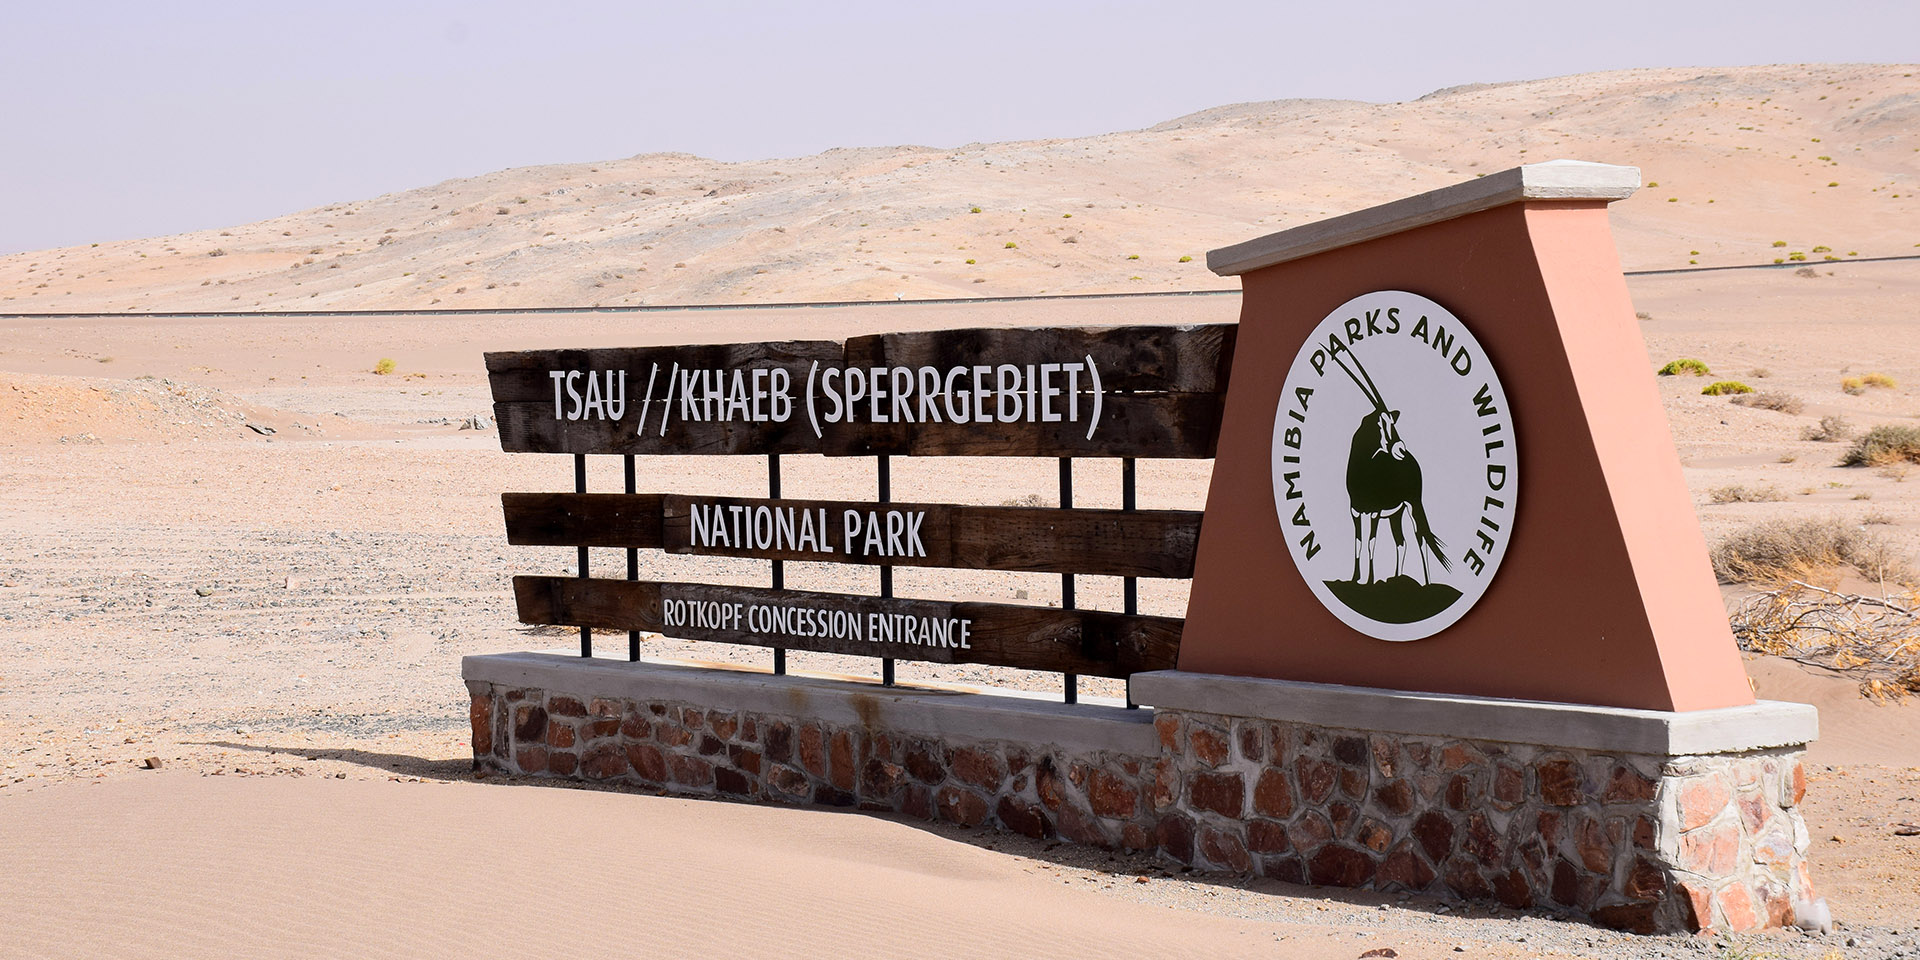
<point>1356,546</point>
<point>1373,534</point>
<point>1399,540</point>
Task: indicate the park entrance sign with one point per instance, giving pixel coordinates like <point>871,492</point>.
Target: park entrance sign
<point>1451,628</point>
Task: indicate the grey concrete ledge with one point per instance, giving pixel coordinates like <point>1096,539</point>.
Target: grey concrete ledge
<point>1553,180</point>
<point>928,712</point>
<point>1765,725</point>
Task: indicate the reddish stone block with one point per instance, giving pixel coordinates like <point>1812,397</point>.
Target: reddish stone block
<point>1310,832</point>
<point>788,782</point>
<point>560,735</point>
<point>723,726</point>
<point>1559,782</point>
<point>1631,917</point>
<point>1386,753</point>
<point>529,723</point>
<point>749,730</point>
<point>1048,783</point>
<point>1225,849</point>
<point>926,761</point>
<point>1342,814</point>
<point>1272,797</point>
<point>1174,836</point>
<point>515,696</point>
<point>1627,786</point>
<point>1483,841</point>
<point>1797,789</point>
<point>1277,744</point>
<point>1457,755</point>
<point>690,771</point>
<point>561,764</point>
<point>1712,852</point>
<point>1465,881</point>
<point>1165,785</point>
<point>1110,796</point>
<point>957,805</point>
<point>779,741</point>
<point>732,782</point>
<point>1421,754</point>
<point>1803,883</point>
<point>1736,904</point>
<point>657,709</point>
<point>1404,868</point>
<point>813,750</point>
<point>1027,819</point>
<point>672,734</point>
<point>1222,793</point>
<point>879,779</point>
<point>1702,799</point>
<point>1315,778</point>
<point>647,761</point>
<point>1461,794</point>
<point>1755,811</point>
<point>1351,751</point>
<point>1435,834</point>
<point>1209,745</point>
<point>602,707</point>
<point>1591,843</point>
<point>1267,836</point>
<point>1167,725</point>
<point>1696,905</point>
<point>603,763</point>
<point>711,745</point>
<point>1353,782</point>
<point>1774,847</point>
<point>745,758</point>
<point>1283,869</point>
<point>917,802</point>
<point>600,728</point>
<point>1643,836</point>
<point>480,714</point>
<point>840,751</point>
<point>829,796</point>
<point>1135,837</point>
<point>565,707</point>
<point>1077,773</point>
<point>531,759</point>
<point>1566,883</point>
<point>1509,785</point>
<point>692,719</point>
<point>1395,797</point>
<point>1646,881</point>
<point>1338,865</point>
<point>1548,828</point>
<point>978,767</point>
<point>1252,739</point>
<point>1374,835</point>
<point>1512,889</point>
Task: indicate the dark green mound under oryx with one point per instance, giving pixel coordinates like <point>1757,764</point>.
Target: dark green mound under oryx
<point>1399,599</point>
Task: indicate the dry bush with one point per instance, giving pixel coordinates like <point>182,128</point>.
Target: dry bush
<point>1876,641</point>
<point>1780,552</point>
<point>1832,428</point>
<point>1027,500</point>
<point>1886,444</point>
<point>1771,400</point>
<point>1725,387</point>
<point>1739,494</point>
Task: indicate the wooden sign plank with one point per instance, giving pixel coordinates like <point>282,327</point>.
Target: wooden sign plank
<point>1032,638</point>
<point>1115,543</point>
<point>1163,425</point>
<point>1109,391</point>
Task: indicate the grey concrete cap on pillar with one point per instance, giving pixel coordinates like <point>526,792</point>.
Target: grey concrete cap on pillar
<point>1765,725</point>
<point>1553,180</point>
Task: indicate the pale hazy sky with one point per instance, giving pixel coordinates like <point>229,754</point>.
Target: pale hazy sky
<point>136,119</point>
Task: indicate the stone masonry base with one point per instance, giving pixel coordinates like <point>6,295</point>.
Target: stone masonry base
<point>1656,833</point>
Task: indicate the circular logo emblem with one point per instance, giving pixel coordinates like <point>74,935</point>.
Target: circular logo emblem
<point>1394,468</point>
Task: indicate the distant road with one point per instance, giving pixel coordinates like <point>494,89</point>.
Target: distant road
<point>668,307</point>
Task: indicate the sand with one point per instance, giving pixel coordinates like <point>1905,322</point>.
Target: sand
<point>278,616</point>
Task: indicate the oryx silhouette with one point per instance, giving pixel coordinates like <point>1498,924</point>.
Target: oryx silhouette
<point>1383,479</point>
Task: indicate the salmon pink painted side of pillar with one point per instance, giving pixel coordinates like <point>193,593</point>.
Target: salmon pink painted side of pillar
<point>1586,579</point>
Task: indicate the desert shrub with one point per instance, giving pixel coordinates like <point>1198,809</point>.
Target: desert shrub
<point>1807,272</point>
<point>1884,444</point>
<point>1012,246</point>
<point>1779,243</point>
<point>1739,494</point>
<point>384,366</point>
<point>1780,551</point>
<point>1880,380</point>
<point>1832,428</point>
<point>1771,400</point>
<point>1133,256</point>
<point>1852,386</point>
<point>1027,500</point>
<point>1721,388</point>
<point>1686,365</point>
<point>1186,259</point>
<point>974,210</point>
<point>216,252</point>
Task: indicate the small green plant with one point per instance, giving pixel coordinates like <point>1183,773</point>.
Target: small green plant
<point>1823,248</point>
<point>1066,216</point>
<point>1779,243</point>
<point>1133,256</point>
<point>1796,255</point>
<point>1832,428</point>
<point>384,366</point>
<point>1888,443</point>
<point>1771,400</point>
<point>1012,246</point>
<point>1721,388</point>
<point>969,259</point>
<point>1686,365</point>
<point>1653,183</point>
<point>1834,183</point>
<point>974,210</point>
<point>1186,259</point>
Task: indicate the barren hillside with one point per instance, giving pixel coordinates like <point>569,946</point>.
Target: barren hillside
<point>1820,158</point>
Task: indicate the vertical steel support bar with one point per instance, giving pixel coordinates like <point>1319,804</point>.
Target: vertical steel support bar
<point>633,568</point>
<point>779,566</point>
<point>1129,586</point>
<point>885,480</point>
<point>580,486</point>
<point>1071,681</point>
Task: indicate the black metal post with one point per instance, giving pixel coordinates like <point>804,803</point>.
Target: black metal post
<point>1129,586</point>
<point>885,480</point>
<point>580,486</point>
<point>1071,680</point>
<point>633,569</point>
<point>779,567</point>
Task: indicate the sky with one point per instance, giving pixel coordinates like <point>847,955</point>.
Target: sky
<point>126,120</point>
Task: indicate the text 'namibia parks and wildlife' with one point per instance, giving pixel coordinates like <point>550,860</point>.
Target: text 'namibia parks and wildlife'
<point>1139,391</point>
<point>1392,412</point>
